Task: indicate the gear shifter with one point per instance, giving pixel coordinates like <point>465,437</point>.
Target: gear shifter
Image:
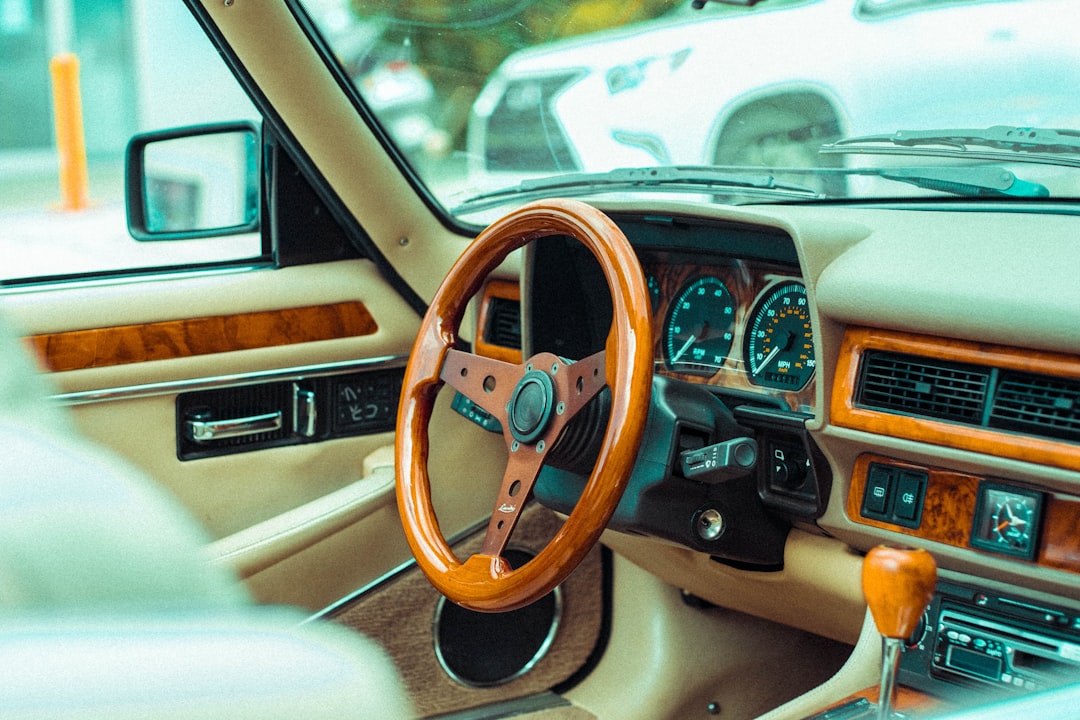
<point>898,585</point>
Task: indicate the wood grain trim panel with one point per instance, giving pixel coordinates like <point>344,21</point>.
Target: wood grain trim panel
<point>949,513</point>
<point>503,290</point>
<point>1027,448</point>
<point>103,347</point>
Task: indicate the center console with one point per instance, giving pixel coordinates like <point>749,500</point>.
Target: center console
<point>974,641</point>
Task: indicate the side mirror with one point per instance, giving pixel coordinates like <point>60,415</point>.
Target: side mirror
<point>193,182</point>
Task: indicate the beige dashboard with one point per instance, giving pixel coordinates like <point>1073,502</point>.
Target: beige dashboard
<point>990,286</point>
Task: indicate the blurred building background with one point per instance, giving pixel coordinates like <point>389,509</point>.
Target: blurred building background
<point>130,82</point>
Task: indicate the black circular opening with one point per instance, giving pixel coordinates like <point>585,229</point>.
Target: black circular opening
<point>484,649</point>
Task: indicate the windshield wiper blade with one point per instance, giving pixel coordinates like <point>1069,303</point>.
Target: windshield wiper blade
<point>692,179</point>
<point>970,181</point>
<point>1000,142</point>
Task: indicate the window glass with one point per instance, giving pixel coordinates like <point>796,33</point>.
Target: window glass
<point>124,58</point>
<point>499,102</point>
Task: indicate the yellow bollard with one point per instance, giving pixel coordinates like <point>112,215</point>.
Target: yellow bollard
<point>70,140</point>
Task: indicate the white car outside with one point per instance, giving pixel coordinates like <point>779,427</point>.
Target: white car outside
<point>792,80</point>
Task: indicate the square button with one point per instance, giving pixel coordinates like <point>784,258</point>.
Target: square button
<point>910,489</point>
<point>878,487</point>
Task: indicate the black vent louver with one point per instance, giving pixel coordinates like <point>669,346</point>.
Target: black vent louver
<point>504,323</point>
<point>983,396</point>
<point>922,386</point>
<point>1038,405</point>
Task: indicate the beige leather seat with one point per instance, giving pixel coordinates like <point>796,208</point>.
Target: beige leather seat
<point>108,608</point>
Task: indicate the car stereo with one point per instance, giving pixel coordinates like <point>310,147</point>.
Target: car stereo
<point>977,640</point>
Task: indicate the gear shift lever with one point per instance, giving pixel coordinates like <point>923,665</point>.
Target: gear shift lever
<point>898,585</point>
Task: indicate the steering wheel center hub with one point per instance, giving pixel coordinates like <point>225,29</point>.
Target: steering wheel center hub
<point>530,407</point>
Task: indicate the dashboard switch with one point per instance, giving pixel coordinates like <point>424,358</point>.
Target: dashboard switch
<point>895,494</point>
<point>878,490</point>
<point>909,495</point>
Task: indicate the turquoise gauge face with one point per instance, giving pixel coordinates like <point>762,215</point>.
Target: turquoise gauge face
<point>700,328</point>
<point>780,340</point>
<point>1007,520</point>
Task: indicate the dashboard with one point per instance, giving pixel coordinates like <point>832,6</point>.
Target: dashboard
<point>777,315</point>
<point>734,368</point>
<point>899,392</point>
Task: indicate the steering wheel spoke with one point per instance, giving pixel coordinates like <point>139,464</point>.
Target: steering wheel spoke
<point>485,381</point>
<point>522,469</point>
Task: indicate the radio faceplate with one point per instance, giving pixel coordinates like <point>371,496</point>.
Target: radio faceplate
<point>975,641</point>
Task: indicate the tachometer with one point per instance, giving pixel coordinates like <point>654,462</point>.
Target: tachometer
<point>700,328</point>
<point>780,342</point>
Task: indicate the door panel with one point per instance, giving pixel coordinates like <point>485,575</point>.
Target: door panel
<point>306,522</point>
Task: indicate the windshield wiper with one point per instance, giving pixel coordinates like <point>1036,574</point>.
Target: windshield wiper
<point>692,179</point>
<point>970,181</point>
<point>1000,143</point>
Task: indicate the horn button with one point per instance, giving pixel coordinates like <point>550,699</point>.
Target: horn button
<point>530,407</point>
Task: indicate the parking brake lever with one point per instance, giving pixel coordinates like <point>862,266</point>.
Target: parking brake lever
<point>723,461</point>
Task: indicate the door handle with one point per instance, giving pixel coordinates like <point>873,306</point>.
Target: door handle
<point>202,431</point>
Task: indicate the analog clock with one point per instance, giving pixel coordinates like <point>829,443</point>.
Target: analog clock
<point>1007,520</point>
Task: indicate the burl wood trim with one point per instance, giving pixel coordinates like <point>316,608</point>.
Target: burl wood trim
<point>844,413</point>
<point>503,290</point>
<point>949,513</point>
<point>399,616</point>
<point>103,347</point>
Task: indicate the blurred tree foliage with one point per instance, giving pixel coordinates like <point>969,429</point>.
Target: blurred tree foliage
<point>458,43</point>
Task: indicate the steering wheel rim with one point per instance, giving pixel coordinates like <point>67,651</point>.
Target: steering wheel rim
<point>485,581</point>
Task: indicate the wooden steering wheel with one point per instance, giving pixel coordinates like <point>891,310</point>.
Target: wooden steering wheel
<point>534,402</point>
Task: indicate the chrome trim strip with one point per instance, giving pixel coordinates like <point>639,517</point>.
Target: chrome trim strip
<point>87,397</point>
<point>329,611</point>
<point>16,286</point>
<point>402,568</point>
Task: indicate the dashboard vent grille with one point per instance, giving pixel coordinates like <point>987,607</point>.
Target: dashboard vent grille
<point>983,396</point>
<point>923,386</point>
<point>1037,404</point>
<point>504,323</point>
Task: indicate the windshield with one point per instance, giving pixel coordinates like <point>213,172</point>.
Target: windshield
<point>747,101</point>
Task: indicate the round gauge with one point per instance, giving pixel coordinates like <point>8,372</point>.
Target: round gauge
<point>700,327</point>
<point>780,342</point>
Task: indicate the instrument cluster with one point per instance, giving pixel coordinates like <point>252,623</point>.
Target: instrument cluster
<point>738,324</point>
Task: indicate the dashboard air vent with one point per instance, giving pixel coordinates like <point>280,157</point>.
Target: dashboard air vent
<point>1037,404</point>
<point>923,386</point>
<point>504,323</point>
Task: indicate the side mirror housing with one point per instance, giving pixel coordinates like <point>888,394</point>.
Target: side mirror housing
<point>193,182</point>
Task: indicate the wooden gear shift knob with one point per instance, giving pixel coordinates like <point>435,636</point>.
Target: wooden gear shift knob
<point>898,585</point>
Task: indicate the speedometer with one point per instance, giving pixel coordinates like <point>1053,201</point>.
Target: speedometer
<point>700,328</point>
<point>780,341</point>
